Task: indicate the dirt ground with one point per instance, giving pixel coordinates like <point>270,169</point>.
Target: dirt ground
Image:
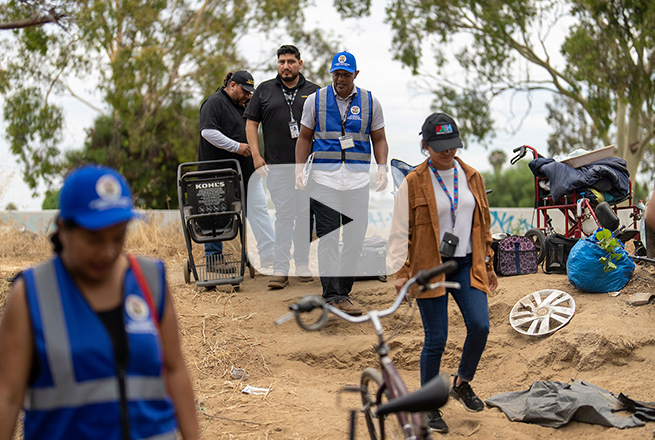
<point>607,343</point>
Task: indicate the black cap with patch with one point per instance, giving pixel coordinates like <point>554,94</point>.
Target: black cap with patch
<point>244,79</point>
<point>440,132</point>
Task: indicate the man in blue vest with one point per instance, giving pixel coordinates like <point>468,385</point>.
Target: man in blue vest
<point>343,121</point>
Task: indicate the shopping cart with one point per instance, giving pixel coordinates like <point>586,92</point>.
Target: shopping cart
<point>212,209</point>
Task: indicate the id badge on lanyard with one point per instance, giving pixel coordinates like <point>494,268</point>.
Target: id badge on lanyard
<point>293,129</point>
<point>346,141</point>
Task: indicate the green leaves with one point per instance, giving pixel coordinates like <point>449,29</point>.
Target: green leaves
<point>154,61</point>
<point>609,244</point>
<point>481,49</point>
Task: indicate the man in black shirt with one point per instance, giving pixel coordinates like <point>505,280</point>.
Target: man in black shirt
<point>223,136</point>
<point>277,104</point>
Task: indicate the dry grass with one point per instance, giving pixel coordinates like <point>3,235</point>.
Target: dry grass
<point>153,239</point>
<point>19,245</point>
<point>20,248</point>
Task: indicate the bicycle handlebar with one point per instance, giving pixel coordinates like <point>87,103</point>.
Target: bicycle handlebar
<point>522,150</point>
<point>424,276</point>
<point>311,302</point>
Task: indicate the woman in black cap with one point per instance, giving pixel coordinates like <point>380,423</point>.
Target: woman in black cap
<point>442,213</point>
<point>89,338</point>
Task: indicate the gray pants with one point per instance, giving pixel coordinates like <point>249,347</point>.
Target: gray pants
<point>291,214</point>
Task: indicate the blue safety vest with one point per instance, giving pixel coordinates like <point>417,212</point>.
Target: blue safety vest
<point>328,154</point>
<point>76,393</point>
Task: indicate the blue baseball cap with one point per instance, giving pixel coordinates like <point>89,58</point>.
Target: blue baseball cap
<point>344,61</point>
<point>96,197</point>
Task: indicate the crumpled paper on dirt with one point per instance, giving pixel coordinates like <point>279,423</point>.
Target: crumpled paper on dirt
<point>256,391</point>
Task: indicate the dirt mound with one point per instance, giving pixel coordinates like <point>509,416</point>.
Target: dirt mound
<point>607,343</point>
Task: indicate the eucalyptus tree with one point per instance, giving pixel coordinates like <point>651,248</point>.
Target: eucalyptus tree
<point>151,62</point>
<point>598,54</point>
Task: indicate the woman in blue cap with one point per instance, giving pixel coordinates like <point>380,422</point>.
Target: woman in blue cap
<point>89,338</point>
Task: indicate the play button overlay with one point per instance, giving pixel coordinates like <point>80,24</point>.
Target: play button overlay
<point>315,204</point>
<point>334,233</point>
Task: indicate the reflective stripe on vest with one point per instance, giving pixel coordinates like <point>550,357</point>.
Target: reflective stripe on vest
<point>327,148</point>
<point>66,392</point>
<point>150,272</point>
<point>336,155</point>
<point>321,131</point>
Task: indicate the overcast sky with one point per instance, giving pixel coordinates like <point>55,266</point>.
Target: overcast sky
<point>405,106</point>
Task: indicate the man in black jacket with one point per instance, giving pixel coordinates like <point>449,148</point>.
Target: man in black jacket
<point>223,136</point>
<point>277,104</point>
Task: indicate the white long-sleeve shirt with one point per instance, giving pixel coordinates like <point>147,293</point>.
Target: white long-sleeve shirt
<point>219,140</point>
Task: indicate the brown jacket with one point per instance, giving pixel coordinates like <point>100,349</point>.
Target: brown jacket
<point>415,229</point>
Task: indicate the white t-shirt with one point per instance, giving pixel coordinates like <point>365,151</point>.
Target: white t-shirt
<point>465,207</point>
<point>343,178</point>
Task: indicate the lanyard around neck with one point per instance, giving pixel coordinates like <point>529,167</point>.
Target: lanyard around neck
<point>289,98</point>
<point>344,117</point>
<point>453,200</point>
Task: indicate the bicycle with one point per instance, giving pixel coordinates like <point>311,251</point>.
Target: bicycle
<point>410,408</point>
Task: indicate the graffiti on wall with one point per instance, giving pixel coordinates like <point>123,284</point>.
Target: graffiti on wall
<point>503,221</point>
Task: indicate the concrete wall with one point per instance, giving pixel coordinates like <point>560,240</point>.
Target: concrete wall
<point>509,220</point>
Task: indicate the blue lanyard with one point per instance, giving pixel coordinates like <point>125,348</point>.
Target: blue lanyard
<point>453,205</point>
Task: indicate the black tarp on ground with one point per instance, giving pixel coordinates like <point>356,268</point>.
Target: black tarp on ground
<point>554,404</point>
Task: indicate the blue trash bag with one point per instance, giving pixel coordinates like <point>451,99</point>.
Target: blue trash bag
<point>587,273</point>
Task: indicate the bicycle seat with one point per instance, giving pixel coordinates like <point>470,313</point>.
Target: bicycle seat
<point>430,397</point>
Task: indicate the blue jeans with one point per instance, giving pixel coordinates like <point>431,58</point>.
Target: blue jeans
<point>291,212</point>
<point>472,304</point>
<point>260,221</point>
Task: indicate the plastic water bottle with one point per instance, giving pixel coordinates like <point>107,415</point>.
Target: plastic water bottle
<point>641,225</point>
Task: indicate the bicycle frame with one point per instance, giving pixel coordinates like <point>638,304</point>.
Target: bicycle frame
<point>394,386</point>
<point>412,421</point>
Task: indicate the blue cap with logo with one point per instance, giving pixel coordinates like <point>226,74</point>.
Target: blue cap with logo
<point>96,197</point>
<point>344,61</point>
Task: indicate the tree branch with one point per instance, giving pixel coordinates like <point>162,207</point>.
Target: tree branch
<point>37,20</point>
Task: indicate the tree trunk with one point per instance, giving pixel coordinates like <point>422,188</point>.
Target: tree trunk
<point>650,243</point>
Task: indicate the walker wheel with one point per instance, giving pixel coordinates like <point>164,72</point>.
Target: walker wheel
<point>539,239</point>
<point>542,312</point>
<point>187,271</point>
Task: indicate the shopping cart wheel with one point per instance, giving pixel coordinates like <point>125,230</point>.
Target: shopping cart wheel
<point>187,271</point>
<point>539,239</point>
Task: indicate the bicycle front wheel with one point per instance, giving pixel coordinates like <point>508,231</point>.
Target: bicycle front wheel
<point>371,382</point>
